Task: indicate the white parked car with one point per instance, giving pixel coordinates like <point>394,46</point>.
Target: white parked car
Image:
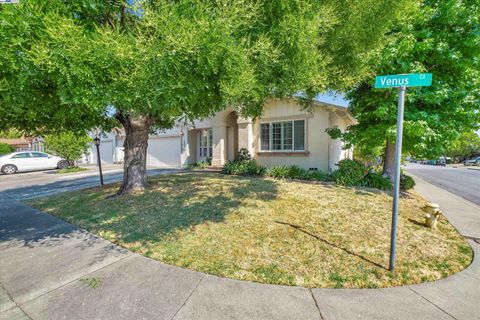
<point>30,160</point>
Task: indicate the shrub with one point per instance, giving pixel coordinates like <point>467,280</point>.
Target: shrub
<point>279,172</point>
<point>295,172</point>
<point>349,173</point>
<point>68,145</point>
<point>249,167</point>
<point>289,172</point>
<point>318,176</point>
<point>6,148</point>
<point>378,181</point>
<point>200,165</point>
<point>243,155</point>
<point>406,182</point>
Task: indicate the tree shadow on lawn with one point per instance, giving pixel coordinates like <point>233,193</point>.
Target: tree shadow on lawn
<point>173,203</point>
<point>301,229</point>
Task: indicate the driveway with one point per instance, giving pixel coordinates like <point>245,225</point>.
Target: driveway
<point>42,183</point>
<point>50,269</point>
<point>461,181</point>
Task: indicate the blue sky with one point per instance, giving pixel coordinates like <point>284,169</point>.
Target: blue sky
<point>333,98</point>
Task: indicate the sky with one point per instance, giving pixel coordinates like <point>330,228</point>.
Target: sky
<point>333,98</point>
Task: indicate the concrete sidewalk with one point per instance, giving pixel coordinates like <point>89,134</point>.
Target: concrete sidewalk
<point>48,269</point>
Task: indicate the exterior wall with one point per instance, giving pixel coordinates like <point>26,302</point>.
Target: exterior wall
<point>245,134</point>
<point>185,150</point>
<point>192,146</point>
<point>336,150</point>
<point>232,136</point>
<point>316,153</point>
<point>232,133</point>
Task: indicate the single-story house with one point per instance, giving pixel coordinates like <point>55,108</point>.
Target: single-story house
<point>25,143</point>
<point>286,134</point>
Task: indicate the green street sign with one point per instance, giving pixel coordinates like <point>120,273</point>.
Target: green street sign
<point>404,80</point>
<point>400,81</point>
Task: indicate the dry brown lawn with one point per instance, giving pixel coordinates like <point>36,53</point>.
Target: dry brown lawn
<point>269,231</point>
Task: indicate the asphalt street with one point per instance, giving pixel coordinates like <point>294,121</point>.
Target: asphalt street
<point>462,181</point>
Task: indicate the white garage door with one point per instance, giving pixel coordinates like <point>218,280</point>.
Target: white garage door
<point>106,152</point>
<point>164,152</point>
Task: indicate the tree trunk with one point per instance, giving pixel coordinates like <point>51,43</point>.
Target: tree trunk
<point>389,160</point>
<point>135,153</point>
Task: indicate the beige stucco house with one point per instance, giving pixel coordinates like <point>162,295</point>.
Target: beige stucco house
<point>286,134</point>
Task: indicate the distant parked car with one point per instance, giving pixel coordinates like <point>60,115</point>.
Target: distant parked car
<point>441,162</point>
<point>28,161</point>
<point>472,162</point>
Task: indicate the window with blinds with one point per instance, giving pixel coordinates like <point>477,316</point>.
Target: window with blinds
<point>282,136</point>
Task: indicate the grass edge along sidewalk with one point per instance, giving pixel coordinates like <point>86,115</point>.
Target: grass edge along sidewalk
<point>269,231</point>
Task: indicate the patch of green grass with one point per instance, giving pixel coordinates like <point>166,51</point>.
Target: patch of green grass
<point>93,282</point>
<point>269,231</point>
<point>272,274</point>
<point>337,279</point>
<point>71,170</point>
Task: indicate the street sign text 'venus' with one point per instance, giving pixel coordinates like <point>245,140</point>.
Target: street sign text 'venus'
<point>404,80</point>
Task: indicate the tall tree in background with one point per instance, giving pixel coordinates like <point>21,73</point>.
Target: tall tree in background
<point>465,146</point>
<point>71,65</point>
<point>443,38</point>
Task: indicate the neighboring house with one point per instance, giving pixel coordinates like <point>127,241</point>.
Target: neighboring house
<point>285,135</point>
<point>26,143</point>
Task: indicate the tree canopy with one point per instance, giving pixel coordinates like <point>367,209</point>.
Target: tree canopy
<point>74,65</point>
<point>443,38</point>
<point>465,146</point>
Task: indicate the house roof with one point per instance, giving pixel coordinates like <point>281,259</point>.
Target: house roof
<point>340,110</point>
<point>15,142</point>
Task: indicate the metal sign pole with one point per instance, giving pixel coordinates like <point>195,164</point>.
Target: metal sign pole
<point>396,190</point>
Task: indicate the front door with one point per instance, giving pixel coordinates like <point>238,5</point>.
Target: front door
<point>205,151</point>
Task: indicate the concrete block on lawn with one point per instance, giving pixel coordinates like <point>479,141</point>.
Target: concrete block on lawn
<point>382,304</point>
<point>134,288</point>
<point>219,299</point>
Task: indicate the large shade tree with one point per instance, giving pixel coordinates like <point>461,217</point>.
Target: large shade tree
<point>442,37</point>
<point>79,64</point>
